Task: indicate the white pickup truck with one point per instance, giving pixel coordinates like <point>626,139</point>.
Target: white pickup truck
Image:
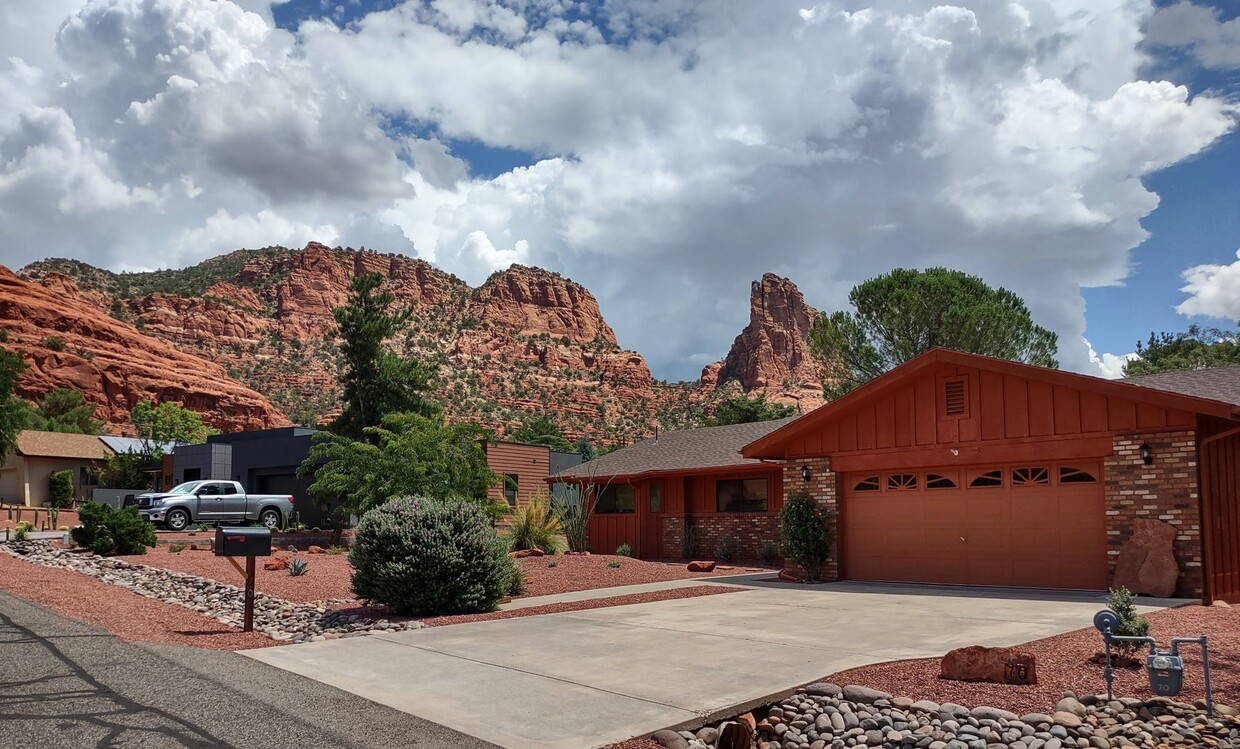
<point>213,501</point>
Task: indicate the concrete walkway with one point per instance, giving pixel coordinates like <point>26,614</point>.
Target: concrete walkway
<point>588,678</point>
<point>623,590</point>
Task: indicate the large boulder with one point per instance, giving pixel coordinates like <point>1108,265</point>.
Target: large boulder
<point>1146,561</point>
<point>998,665</point>
<point>701,566</point>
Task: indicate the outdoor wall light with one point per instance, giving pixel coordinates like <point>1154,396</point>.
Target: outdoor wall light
<point>805,474</point>
<point>1147,454</point>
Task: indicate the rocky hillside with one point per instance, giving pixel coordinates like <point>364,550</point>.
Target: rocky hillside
<point>525,340</point>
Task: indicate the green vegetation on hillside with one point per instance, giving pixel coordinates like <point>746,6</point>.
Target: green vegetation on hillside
<point>1195,348</point>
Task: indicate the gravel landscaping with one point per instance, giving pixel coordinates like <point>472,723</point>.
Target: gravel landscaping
<point>826,716</point>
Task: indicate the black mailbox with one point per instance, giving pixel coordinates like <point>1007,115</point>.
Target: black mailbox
<point>242,542</point>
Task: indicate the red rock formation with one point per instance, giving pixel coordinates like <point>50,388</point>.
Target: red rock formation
<point>533,301</point>
<point>69,341</point>
<point>772,355</point>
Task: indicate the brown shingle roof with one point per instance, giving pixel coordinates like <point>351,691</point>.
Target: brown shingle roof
<point>1216,383</point>
<point>56,445</point>
<point>687,449</point>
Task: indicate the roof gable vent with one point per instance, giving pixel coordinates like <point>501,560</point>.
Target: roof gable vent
<point>954,400</point>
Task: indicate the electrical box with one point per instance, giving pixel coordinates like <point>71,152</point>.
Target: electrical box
<point>1166,674</point>
<point>242,542</point>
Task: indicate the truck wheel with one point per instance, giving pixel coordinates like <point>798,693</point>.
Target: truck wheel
<point>176,520</point>
<point>269,519</point>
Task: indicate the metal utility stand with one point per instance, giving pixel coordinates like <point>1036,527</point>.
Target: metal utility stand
<point>1165,669</point>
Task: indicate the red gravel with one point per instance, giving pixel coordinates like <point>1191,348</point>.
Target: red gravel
<point>636,744</point>
<point>327,576</point>
<point>65,518</point>
<point>119,611</point>
<point>1063,665</point>
<point>552,608</point>
<point>573,573</point>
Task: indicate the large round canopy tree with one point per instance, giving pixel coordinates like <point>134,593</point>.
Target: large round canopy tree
<point>905,313</point>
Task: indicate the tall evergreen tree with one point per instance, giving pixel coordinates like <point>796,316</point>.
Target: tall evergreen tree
<point>14,412</point>
<point>67,411</point>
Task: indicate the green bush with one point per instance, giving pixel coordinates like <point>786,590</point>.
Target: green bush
<point>54,343</point>
<point>422,557</point>
<point>804,534</point>
<point>60,489</point>
<point>614,565</point>
<point>624,550</point>
<point>1131,624</point>
<point>108,531</point>
<point>725,548</point>
<point>535,526</point>
<point>768,552</point>
<point>22,530</point>
<point>689,540</point>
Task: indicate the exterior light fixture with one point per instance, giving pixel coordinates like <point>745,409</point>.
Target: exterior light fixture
<point>805,474</point>
<point>1147,453</point>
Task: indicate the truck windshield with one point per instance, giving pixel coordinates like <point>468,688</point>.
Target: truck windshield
<point>187,488</point>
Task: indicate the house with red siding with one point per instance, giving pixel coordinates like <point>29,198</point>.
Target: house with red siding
<point>647,493</point>
<point>962,469</point>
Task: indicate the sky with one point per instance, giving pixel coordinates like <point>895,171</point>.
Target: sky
<point>1083,153</point>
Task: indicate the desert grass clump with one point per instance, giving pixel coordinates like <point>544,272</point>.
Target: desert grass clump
<point>536,526</point>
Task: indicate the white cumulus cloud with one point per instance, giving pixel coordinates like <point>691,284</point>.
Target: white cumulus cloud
<point>1213,289</point>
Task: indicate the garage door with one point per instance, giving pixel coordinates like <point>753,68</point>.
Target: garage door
<point>1040,526</point>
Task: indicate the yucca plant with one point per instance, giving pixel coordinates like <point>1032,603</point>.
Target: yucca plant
<point>298,567</point>
<point>535,526</point>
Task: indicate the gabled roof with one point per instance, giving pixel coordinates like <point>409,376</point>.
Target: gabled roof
<point>1216,383</point>
<point>35,444</point>
<point>767,446</point>
<point>683,450</point>
<point>128,445</point>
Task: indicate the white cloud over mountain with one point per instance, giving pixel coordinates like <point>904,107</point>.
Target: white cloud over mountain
<point>680,150</point>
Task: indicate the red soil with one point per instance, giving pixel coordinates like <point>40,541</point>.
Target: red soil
<point>327,576</point>
<point>41,518</point>
<point>572,573</point>
<point>1063,665</point>
<point>119,611</point>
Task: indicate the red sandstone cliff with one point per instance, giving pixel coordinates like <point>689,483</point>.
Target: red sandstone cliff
<point>68,340</point>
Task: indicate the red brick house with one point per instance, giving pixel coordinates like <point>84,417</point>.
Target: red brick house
<point>648,492</point>
<point>962,469</point>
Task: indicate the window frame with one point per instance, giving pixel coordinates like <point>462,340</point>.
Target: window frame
<point>601,509</point>
<point>765,500</point>
<point>511,482</point>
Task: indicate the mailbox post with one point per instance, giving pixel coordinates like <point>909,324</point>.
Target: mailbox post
<point>249,543</point>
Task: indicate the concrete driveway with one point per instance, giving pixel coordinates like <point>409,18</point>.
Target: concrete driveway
<point>588,678</point>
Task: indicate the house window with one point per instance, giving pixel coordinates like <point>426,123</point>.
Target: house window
<point>511,482</point>
<point>868,485</point>
<point>87,477</point>
<point>656,499</point>
<point>1030,476</point>
<point>897,482</point>
<point>615,500</point>
<point>740,495</point>
<point>989,478</point>
<point>1069,475</point>
<point>939,481</point>
<point>191,474</point>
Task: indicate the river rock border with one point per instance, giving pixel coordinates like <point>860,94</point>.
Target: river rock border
<point>281,620</point>
<point>827,716</point>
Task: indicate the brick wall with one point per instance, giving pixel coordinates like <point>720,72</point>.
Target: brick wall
<point>749,530</point>
<point>821,487</point>
<point>1164,490</point>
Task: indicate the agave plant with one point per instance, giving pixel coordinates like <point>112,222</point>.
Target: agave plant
<point>535,526</point>
<point>298,567</point>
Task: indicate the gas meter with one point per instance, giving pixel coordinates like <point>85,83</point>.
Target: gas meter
<point>1166,672</point>
<point>1165,669</point>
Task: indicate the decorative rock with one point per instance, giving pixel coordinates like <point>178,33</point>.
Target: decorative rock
<point>701,566</point>
<point>735,735</point>
<point>278,562</point>
<point>669,739</point>
<point>999,665</point>
<point>708,735</point>
<point>1066,719</point>
<point>926,706</point>
<point>315,550</point>
<point>1035,719</point>
<point>1071,705</point>
<point>991,713</point>
<point>864,695</point>
<point>1146,562</point>
<point>823,689</point>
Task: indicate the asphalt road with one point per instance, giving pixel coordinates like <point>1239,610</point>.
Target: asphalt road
<point>67,685</point>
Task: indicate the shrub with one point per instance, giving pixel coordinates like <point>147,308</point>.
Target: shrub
<point>298,567</point>
<point>422,556</point>
<point>768,552</point>
<point>614,565</point>
<point>60,489</point>
<point>552,563</point>
<point>108,531</point>
<point>574,519</point>
<point>22,530</point>
<point>536,526</point>
<point>54,343</point>
<point>689,541</point>
<point>206,526</point>
<point>336,550</point>
<point>725,548</point>
<point>177,548</point>
<point>804,533</point>
<point>624,550</point>
<point>1131,624</point>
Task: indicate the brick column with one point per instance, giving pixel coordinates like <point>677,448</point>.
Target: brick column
<point>1165,490</point>
<point>821,488</point>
